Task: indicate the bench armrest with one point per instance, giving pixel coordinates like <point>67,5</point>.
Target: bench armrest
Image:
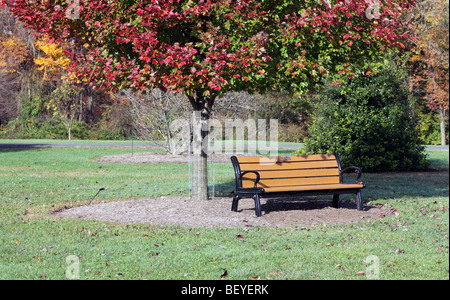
<point>352,168</point>
<point>258,177</point>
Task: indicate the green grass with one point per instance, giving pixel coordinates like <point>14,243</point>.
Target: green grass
<point>35,244</point>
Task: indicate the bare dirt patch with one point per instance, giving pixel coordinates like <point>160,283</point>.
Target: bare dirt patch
<point>216,213</point>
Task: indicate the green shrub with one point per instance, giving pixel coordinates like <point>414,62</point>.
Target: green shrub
<point>369,122</point>
<point>52,129</point>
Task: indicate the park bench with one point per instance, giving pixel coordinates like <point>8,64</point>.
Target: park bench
<point>288,176</point>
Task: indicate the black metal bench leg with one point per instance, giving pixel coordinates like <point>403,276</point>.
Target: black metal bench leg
<point>257,205</point>
<point>234,205</point>
<point>335,202</point>
<point>359,204</point>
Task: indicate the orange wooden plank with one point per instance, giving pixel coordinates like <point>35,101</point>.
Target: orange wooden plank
<point>312,187</point>
<point>279,159</point>
<point>294,173</point>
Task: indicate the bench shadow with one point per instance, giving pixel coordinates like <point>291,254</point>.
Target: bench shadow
<point>269,205</point>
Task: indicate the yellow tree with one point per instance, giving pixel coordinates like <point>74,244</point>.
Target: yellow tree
<point>54,63</point>
<point>65,100</point>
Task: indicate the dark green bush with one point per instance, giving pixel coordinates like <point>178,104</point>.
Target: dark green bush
<point>369,122</point>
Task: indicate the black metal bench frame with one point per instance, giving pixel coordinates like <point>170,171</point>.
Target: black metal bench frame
<point>257,192</point>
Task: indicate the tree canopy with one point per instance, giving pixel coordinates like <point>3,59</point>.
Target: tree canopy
<point>211,47</point>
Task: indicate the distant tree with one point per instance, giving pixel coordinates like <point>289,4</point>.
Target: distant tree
<point>64,104</point>
<point>53,63</point>
<point>16,58</point>
<point>154,113</point>
<point>430,57</point>
<point>206,48</point>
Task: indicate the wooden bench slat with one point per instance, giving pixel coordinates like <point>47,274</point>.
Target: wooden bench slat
<point>268,183</point>
<point>293,173</point>
<point>279,159</point>
<point>290,165</point>
<point>313,187</point>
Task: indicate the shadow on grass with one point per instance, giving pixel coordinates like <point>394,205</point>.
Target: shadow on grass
<point>7,148</point>
<point>380,186</point>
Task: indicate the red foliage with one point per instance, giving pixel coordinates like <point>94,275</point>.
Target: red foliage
<point>215,46</point>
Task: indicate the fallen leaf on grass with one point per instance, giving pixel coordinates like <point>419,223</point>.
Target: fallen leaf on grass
<point>361,273</point>
<point>255,278</point>
<point>240,236</point>
<point>275,273</point>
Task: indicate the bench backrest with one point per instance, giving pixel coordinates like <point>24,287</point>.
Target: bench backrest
<point>288,170</point>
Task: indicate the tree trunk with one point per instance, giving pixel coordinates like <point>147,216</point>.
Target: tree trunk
<point>200,157</point>
<point>200,127</point>
<point>442,115</point>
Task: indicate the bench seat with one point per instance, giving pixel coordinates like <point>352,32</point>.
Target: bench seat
<point>277,189</point>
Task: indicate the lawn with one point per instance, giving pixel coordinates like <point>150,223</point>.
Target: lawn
<point>34,244</point>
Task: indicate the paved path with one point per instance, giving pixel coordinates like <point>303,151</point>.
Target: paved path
<point>81,144</point>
